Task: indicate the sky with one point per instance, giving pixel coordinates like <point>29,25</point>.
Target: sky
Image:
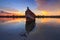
<point>20,5</point>
<point>45,7</point>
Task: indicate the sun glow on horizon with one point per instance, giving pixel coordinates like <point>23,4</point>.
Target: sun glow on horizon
<point>42,12</point>
<point>47,13</point>
<point>11,13</point>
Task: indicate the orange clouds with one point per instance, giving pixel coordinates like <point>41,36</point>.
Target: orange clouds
<point>48,7</point>
<point>10,12</point>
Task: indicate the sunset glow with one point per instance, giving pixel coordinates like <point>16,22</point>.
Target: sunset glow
<point>39,7</point>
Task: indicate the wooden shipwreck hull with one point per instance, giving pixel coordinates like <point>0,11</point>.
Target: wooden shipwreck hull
<point>30,16</point>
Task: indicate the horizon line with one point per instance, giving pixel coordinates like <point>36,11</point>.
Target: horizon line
<point>35,16</point>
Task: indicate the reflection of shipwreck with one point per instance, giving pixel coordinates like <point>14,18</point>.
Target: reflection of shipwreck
<point>29,26</point>
<point>30,16</point>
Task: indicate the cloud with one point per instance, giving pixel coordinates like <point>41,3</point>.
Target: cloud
<point>49,5</point>
<point>8,9</point>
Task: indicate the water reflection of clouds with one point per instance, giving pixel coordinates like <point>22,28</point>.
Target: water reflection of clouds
<point>46,31</point>
<point>48,20</point>
<point>42,20</point>
<point>11,31</point>
<point>11,20</point>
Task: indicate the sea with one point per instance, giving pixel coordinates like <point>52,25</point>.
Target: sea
<point>19,29</point>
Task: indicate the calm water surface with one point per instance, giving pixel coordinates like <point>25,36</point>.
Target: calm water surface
<point>15,29</point>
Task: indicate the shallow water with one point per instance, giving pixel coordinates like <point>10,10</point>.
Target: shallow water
<point>15,29</point>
